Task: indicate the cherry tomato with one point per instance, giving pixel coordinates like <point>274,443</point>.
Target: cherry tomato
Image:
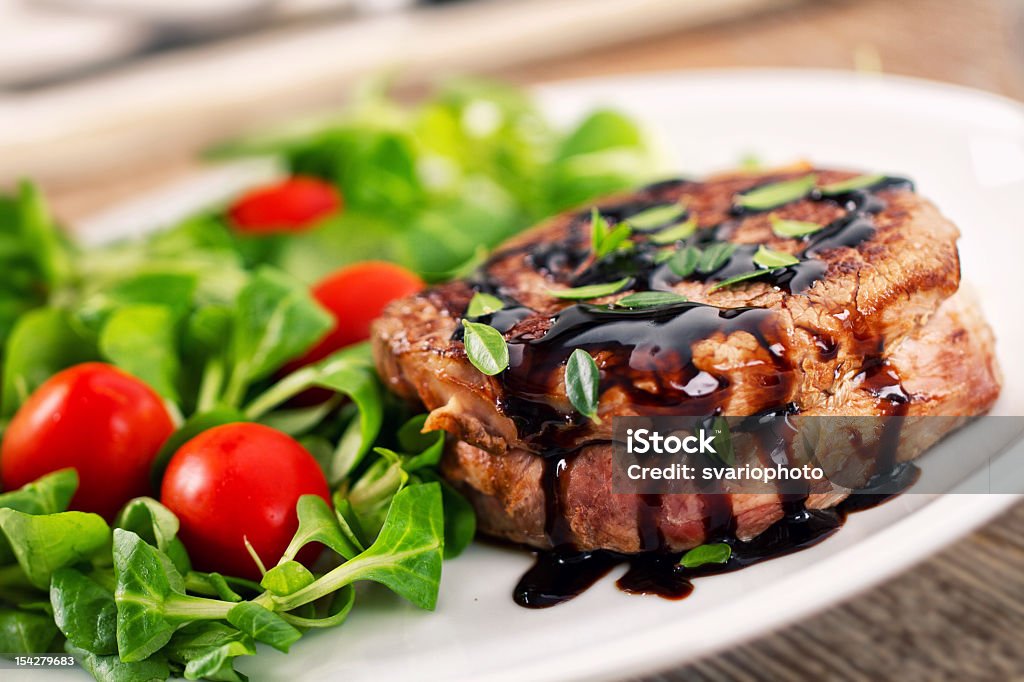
<point>356,295</point>
<point>106,424</point>
<point>292,205</point>
<point>235,482</point>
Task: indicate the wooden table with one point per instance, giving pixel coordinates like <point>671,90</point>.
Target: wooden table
<point>961,614</point>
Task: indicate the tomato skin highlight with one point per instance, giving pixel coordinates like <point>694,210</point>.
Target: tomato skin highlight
<point>355,296</point>
<point>104,423</point>
<point>292,205</point>
<point>235,482</point>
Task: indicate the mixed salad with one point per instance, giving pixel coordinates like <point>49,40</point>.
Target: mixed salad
<point>197,453</point>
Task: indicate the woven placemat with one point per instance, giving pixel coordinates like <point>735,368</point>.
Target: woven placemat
<point>957,616</point>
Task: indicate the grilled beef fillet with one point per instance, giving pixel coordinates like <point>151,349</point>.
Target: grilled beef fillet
<point>859,305</point>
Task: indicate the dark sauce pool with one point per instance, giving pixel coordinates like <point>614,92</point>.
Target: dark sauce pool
<point>647,355</point>
<point>561,574</point>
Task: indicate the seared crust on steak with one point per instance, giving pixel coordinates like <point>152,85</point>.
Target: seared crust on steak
<point>871,296</point>
<point>948,367</point>
<point>866,324</point>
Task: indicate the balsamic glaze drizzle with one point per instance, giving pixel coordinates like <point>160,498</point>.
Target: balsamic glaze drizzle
<point>647,354</point>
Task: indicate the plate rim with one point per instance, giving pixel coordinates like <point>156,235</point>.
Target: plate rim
<point>935,525</point>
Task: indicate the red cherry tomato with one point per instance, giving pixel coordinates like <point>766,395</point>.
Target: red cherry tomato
<point>356,295</point>
<point>106,424</point>
<point>235,482</point>
<point>292,205</point>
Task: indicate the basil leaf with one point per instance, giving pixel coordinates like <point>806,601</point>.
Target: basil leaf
<point>485,347</point>
<point>650,299</point>
<point>483,304</point>
<point>591,290</point>
<point>844,186</point>
<point>684,261</point>
<point>771,259</point>
<point>582,384</point>
<point>715,256</point>
<point>656,216</point>
<point>793,228</point>
<point>718,553</point>
<point>674,233</point>
<point>46,495</point>
<point>776,194</point>
<point>742,277</point>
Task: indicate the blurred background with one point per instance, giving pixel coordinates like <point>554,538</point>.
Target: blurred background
<point>102,98</point>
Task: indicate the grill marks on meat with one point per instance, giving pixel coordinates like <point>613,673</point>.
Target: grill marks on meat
<point>947,367</point>
<point>800,348</point>
<point>864,325</point>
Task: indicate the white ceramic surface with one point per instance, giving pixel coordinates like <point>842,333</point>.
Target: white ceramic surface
<point>965,149</point>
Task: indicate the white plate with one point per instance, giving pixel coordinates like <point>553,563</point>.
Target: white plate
<point>965,149</point>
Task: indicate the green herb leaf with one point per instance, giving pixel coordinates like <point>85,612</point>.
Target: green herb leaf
<point>715,256</point>
<point>46,495</point>
<point>582,384</point>
<point>717,553</point>
<point>742,277</point>
<point>591,290</point>
<point>84,611</point>
<point>317,523</point>
<point>157,525</point>
<point>598,231</point>
<point>768,258</point>
<point>684,261</point>
<point>42,544</point>
<point>844,186</point>
<point>483,304</point>
<point>650,299</point>
<point>485,347</point>
<point>722,440</point>
<point>793,228</point>
<point>459,517</point>
<point>371,496</point>
<point>657,216</point>
<point>287,577</point>
<point>263,625</point>
<point>406,556</point>
<point>150,598</point>
<point>26,632</point>
<point>141,339</point>
<point>674,233</point>
<point>615,240</point>
<point>776,194</point>
<point>113,669</point>
<point>42,343</point>
<point>207,650</point>
<point>275,320</point>
<point>349,372</point>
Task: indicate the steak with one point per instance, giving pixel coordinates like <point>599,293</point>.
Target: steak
<point>863,305</point>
